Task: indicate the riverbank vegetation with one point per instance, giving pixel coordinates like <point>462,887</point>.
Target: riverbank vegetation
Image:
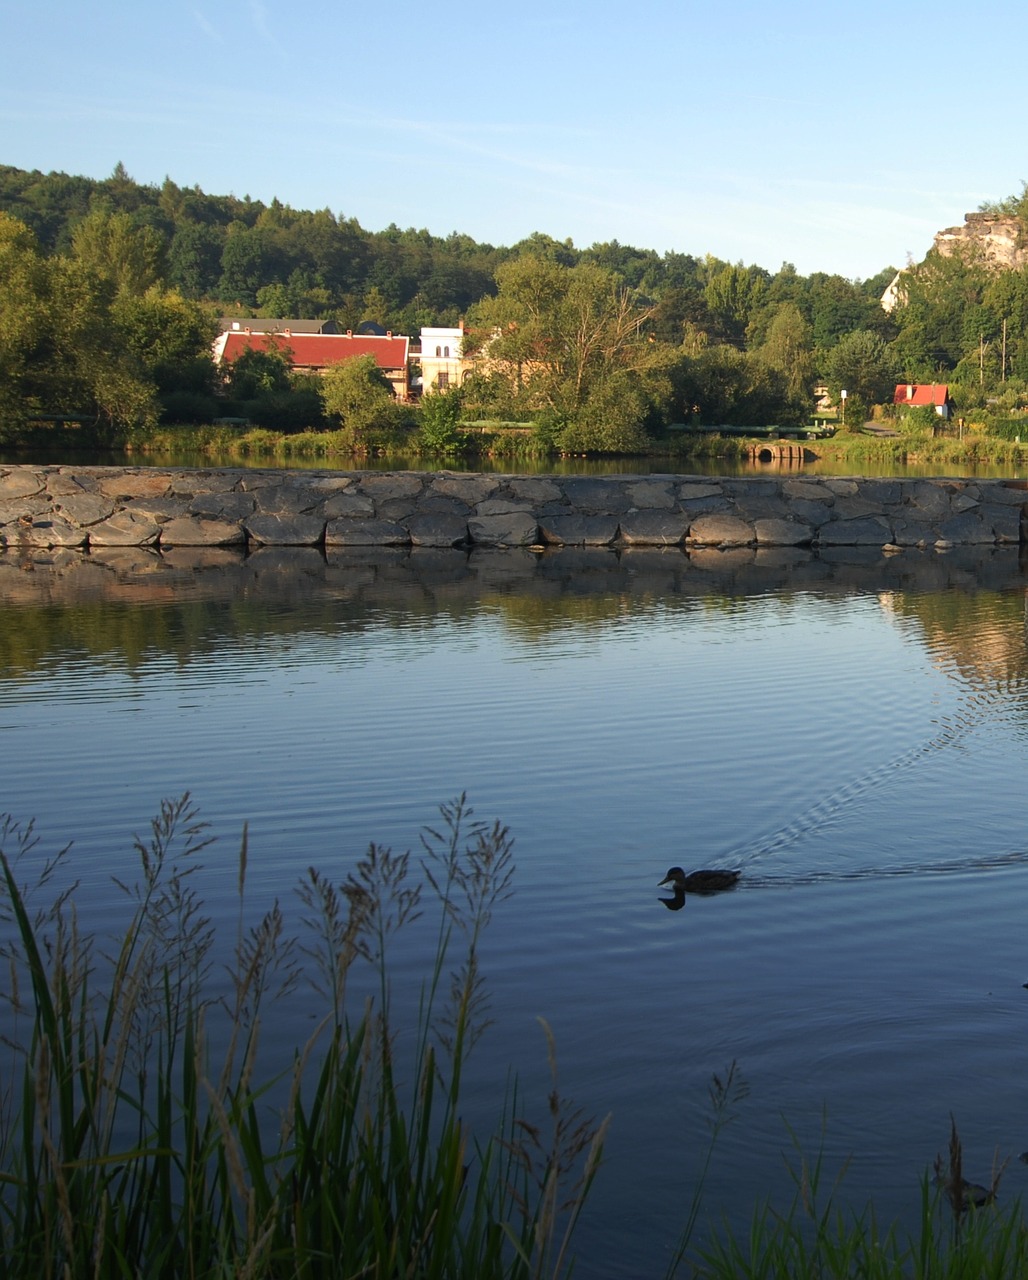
<point>141,1132</point>
<point>146,1130</point>
<point>111,292</point>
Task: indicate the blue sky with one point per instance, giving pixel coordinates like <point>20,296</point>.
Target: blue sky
<point>838,137</point>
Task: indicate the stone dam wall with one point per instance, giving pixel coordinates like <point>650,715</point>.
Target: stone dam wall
<point>161,509</point>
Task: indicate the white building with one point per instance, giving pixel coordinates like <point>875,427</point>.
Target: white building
<point>442,363</point>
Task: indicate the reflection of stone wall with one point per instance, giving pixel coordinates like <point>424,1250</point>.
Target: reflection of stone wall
<point>384,578</point>
<point>102,507</point>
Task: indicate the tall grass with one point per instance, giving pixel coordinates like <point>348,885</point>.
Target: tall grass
<point>959,1233</point>
<point>131,1146</point>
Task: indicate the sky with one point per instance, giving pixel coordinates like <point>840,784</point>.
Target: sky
<point>835,136</point>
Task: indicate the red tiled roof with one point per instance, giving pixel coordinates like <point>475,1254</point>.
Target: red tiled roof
<point>317,350</point>
<point>921,393</point>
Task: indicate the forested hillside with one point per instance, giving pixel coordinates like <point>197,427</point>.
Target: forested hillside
<point>123,277</point>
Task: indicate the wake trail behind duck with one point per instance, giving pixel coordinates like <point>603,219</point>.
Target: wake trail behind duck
<point>843,799</point>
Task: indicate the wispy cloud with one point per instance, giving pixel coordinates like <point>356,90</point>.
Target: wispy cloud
<point>207,27</point>
<point>259,19</point>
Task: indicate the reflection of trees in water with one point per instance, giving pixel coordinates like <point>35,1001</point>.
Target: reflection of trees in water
<point>981,638</point>
<point>124,607</point>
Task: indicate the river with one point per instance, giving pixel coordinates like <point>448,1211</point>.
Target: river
<point>853,738</point>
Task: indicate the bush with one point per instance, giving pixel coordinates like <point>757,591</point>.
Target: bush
<point>438,418</point>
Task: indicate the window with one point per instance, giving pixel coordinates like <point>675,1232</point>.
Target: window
<point>442,383</point>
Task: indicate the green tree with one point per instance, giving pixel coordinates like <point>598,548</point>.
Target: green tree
<point>62,347</point>
<point>94,365</point>
<point>171,339</point>
<point>27,328</point>
<point>194,259</point>
<point>248,261</point>
<point>560,334</point>
<point>732,295</point>
<point>357,393</point>
<point>726,385</point>
<point>788,348</point>
<point>934,329</point>
<point>116,250</point>
<point>438,417</point>
<point>259,372</point>
<point>862,365</point>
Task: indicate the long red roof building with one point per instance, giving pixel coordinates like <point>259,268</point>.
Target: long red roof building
<point>316,352</point>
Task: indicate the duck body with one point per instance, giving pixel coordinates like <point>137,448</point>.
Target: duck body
<point>700,881</point>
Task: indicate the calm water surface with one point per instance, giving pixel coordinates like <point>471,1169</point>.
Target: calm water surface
<point>858,750</point>
<point>571,466</point>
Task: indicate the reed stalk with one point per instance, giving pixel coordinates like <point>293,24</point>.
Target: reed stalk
<point>131,1146</point>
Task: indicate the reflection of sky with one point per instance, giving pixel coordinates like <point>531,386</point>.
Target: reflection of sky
<point>753,709</point>
<point>834,749</point>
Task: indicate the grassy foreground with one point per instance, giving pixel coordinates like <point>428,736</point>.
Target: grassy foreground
<point>141,1134</point>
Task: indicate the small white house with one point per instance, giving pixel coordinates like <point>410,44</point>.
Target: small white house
<point>442,363</point>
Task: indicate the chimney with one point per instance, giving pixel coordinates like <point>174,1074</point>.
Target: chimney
<point>910,391</point>
<point>349,333</point>
<point>389,333</point>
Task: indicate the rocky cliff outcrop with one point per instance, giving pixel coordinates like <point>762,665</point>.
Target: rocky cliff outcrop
<point>997,236</point>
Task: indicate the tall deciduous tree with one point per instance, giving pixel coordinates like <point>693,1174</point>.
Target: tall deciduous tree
<point>732,295</point>
<point>563,336</point>
<point>788,348</point>
<point>116,250</point>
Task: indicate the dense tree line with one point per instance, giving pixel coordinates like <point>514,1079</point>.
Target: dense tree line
<point>109,289</point>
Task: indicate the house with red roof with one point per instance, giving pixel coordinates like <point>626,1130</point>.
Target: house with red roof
<point>909,395</point>
<point>316,352</point>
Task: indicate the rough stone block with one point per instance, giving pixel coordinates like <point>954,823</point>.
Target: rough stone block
<point>365,533</point>
<point>514,529</point>
<point>85,508</point>
<point>134,484</point>
<point>719,530</point>
<point>875,531</point>
<point>277,530</point>
<point>468,489</point>
<point>579,531</point>
<point>654,528</point>
<point>223,506</point>
<point>124,529</point>
<point>197,531</point>
<point>651,493</point>
<point>43,532</point>
<point>441,530</point>
<point>348,503</point>
<point>21,483</point>
<point>782,533</point>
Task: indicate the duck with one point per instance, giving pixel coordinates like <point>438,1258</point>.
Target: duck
<point>700,881</point>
